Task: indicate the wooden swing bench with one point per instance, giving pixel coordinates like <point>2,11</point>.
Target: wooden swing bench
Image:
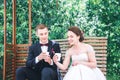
<point>16,55</point>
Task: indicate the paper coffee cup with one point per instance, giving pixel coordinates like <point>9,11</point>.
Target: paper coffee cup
<point>58,55</point>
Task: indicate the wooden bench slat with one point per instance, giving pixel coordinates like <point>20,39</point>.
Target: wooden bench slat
<point>21,61</point>
<point>22,54</point>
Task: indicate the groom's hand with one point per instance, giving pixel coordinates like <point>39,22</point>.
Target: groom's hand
<point>47,59</point>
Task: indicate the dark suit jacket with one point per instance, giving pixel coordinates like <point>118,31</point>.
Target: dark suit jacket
<point>35,50</point>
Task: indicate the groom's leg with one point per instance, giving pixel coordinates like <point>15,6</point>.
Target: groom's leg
<point>20,73</point>
<point>24,73</point>
<point>48,74</point>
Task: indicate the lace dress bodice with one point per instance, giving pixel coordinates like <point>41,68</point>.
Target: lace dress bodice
<point>80,57</point>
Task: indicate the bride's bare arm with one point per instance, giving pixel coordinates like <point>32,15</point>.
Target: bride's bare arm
<point>91,57</point>
<point>65,64</point>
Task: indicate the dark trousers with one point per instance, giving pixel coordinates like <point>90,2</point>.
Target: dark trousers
<point>29,74</point>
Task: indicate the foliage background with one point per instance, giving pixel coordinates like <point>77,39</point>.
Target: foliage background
<point>94,17</point>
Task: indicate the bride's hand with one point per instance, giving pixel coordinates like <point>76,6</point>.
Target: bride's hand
<point>55,58</point>
<point>76,62</point>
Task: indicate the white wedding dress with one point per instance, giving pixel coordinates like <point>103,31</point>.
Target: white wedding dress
<point>82,72</point>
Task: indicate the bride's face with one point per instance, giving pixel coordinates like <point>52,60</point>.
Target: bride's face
<point>72,38</point>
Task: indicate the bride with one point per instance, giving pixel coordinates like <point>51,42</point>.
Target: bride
<point>83,66</point>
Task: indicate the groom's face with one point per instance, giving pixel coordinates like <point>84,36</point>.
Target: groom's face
<point>43,35</point>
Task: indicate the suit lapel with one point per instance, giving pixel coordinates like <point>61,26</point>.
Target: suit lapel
<point>50,46</point>
<point>39,48</point>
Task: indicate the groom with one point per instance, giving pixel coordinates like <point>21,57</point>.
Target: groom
<point>39,64</point>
